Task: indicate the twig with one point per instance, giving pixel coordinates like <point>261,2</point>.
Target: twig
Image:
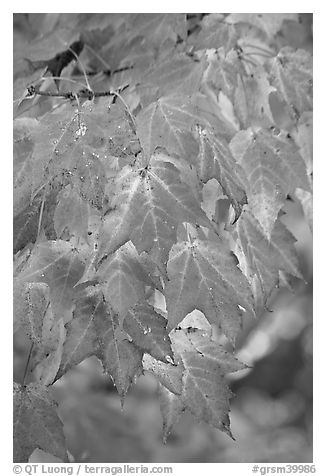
<point>82,68</point>
<point>83,93</point>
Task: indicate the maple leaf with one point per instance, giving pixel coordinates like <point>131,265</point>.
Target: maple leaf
<point>31,303</point>
<point>147,330</point>
<point>81,141</point>
<point>204,388</point>
<point>91,328</point>
<point>123,361</point>
<point>270,23</point>
<point>71,213</point>
<point>177,73</point>
<point>204,275</point>
<point>157,27</point>
<point>216,161</point>
<point>36,423</point>
<point>94,330</point>
<point>303,137</point>
<point>25,174</point>
<point>265,257</point>
<point>169,375</point>
<point>57,264</point>
<point>171,407</point>
<point>214,33</point>
<point>148,203</point>
<point>48,358</point>
<point>273,168</point>
<point>291,74</point>
<point>124,276</point>
<point>222,72</point>
<point>167,123</point>
<point>251,100</point>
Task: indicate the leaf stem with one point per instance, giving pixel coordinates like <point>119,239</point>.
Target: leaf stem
<point>27,362</point>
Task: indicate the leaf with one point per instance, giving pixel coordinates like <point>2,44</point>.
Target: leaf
<point>46,370</point>
<point>36,423</point>
<point>123,279</point>
<point>291,74</point>
<point>305,198</point>
<point>204,388</point>
<point>270,23</point>
<point>303,137</point>
<point>123,361</point>
<point>169,375</point>
<point>31,304</point>
<point>214,33</point>
<point>57,264</point>
<point>157,27</point>
<point>179,72</point>
<point>90,180</point>
<point>251,100</point>
<point>222,72</point>
<point>171,407</point>
<point>71,213</point>
<point>25,174</point>
<point>94,330</point>
<point>204,275</point>
<point>265,257</point>
<point>147,205</point>
<point>147,330</point>
<point>216,161</point>
<point>273,169</point>
<point>167,123</point>
<point>89,331</point>
<point>80,141</point>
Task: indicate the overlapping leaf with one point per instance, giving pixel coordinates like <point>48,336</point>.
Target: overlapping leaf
<point>204,389</point>
<point>71,213</point>
<point>123,276</point>
<point>89,330</point>
<point>157,27</point>
<point>57,264</point>
<point>251,100</point>
<point>216,161</point>
<point>273,168</point>
<point>204,275</point>
<point>291,74</point>
<point>167,123</point>
<point>147,329</point>
<point>214,33</point>
<point>266,257</point>
<point>148,203</point>
<point>94,330</point>
<point>26,173</point>
<point>177,73</point>
<point>270,23</point>
<point>36,423</point>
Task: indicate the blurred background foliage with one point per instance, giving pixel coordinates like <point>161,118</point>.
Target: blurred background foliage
<point>271,414</point>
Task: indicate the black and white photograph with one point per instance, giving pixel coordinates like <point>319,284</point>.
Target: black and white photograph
<point>162,242</point>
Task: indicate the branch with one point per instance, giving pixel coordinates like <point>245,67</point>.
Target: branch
<point>83,93</point>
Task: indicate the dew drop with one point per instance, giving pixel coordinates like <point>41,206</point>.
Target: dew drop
<point>168,359</point>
